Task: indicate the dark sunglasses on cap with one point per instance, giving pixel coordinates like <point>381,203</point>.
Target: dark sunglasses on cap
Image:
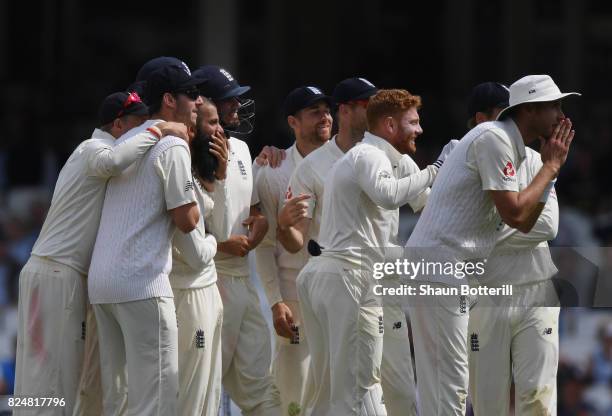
<point>192,93</point>
<point>132,98</point>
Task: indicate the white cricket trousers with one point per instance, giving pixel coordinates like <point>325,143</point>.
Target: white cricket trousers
<point>89,396</point>
<point>50,337</point>
<point>515,337</point>
<point>439,333</point>
<point>291,363</point>
<point>140,336</point>
<point>397,374</point>
<point>246,349</point>
<point>345,330</point>
<point>199,313</point>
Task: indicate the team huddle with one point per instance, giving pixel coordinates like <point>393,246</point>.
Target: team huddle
<point>137,299</point>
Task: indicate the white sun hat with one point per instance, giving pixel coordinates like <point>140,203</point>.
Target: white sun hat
<point>534,89</point>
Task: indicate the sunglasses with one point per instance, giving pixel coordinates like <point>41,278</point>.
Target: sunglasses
<point>192,93</point>
<point>131,99</point>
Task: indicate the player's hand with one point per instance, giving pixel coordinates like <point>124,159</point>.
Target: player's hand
<point>270,155</point>
<point>171,128</point>
<point>283,320</point>
<point>554,150</point>
<point>446,150</point>
<point>218,147</point>
<point>258,227</point>
<point>295,209</point>
<point>236,245</point>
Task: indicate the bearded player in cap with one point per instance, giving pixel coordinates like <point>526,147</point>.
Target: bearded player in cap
<point>334,289</point>
<point>246,346</point>
<point>308,114</point>
<point>515,338</point>
<point>479,181</point>
<point>53,281</point>
<point>128,278</point>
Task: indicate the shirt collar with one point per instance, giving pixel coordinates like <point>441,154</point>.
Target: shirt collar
<point>334,146</point>
<point>380,143</point>
<point>101,134</point>
<point>515,135</point>
<point>295,155</point>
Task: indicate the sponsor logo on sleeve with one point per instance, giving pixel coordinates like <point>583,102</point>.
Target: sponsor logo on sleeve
<point>509,172</point>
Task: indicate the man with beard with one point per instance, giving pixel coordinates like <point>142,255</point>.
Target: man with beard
<point>128,280</point>
<point>308,114</point>
<point>476,188</point>
<point>515,338</point>
<point>334,288</point>
<point>246,348</point>
<point>199,309</point>
<point>52,295</point>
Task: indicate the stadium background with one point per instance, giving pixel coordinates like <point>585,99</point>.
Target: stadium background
<point>59,58</point>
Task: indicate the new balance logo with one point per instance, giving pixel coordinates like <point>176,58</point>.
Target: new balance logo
<point>188,186</point>
<point>315,90</point>
<point>547,331</point>
<point>532,91</point>
<point>381,325</point>
<point>397,325</point>
<point>185,68</point>
<point>474,342</point>
<point>199,339</point>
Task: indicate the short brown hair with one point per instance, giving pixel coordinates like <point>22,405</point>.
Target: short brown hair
<point>387,103</point>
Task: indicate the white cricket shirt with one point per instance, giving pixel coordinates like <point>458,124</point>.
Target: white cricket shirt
<point>132,254</point>
<point>460,220</point>
<point>277,268</point>
<point>69,231</point>
<point>524,258</point>
<point>192,253</point>
<point>361,194</point>
<point>240,194</point>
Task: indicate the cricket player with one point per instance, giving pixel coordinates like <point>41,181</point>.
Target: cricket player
<point>199,310</point>
<point>309,116</point>
<point>515,338</point>
<point>246,346</point>
<point>334,289</point>
<point>53,281</point>
<point>476,188</point>
<point>128,277</point>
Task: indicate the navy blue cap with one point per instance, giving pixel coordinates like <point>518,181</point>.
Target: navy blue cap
<point>487,96</point>
<point>121,104</point>
<point>171,78</point>
<point>151,66</point>
<point>352,89</point>
<point>303,97</point>
<point>220,83</point>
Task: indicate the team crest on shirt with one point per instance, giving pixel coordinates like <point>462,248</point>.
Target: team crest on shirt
<point>199,338</point>
<point>474,342</point>
<point>188,186</point>
<point>243,170</point>
<point>509,170</point>
<point>383,174</point>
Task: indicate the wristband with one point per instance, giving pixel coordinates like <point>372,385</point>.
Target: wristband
<point>547,191</point>
<point>155,132</point>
